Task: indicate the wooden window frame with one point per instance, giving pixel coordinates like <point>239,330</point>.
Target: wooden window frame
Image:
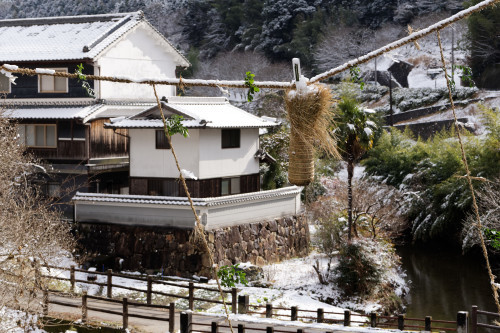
<point>230,189</point>
<point>161,141</point>
<point>230,132</point>
<point>61,69</point>
<point>10,85</point>
<point>44,132</point>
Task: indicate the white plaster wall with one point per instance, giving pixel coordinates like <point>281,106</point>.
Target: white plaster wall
<point>139,55</point>
<point>147,161</point>
<point>218,162</point>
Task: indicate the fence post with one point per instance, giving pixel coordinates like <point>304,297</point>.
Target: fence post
<point>45,307</point>
<point>243,302</point>
<point>269,329</point>
<point>186,320</point>
<point>294,313</point>
<point>84,307</point>
<point>214,328</point>
<point>149,290</point>
<point>171,317</point>
<point>473,319</point>
<point>347,318</point>
<point>72,277</point>
<point>234,300</point>
<point>462,321</point>
<point>373,319</point>
<point>269,310</point>
<point>401,322</point>
<point>110,283</point>
<point>320,317</point>
<point>191,296</point>
<point>125,313</point>
<point>428,321</point>
<point>241,328</point>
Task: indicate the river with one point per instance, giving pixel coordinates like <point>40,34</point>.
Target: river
<point>444,282</point>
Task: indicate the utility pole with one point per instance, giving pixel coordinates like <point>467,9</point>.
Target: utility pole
<point>390,98</point>
<point>453,53</point>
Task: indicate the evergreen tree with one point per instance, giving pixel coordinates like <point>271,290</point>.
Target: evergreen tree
<point>355,131</point>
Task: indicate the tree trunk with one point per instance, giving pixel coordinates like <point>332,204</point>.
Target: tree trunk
<point>350,174</point>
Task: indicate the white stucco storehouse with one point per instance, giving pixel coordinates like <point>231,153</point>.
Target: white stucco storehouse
<point>220,160</point>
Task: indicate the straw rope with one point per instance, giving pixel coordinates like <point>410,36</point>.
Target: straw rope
<point>469,181</point>
<point>198,231</point>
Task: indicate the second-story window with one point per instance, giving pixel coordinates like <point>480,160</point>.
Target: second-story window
<point>4,84</point>
<point>231,138</point>
<point>53,84</point>
<point>38,135</point>
<point>161,140</point>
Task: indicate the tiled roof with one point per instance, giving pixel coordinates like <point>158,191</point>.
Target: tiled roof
<point>65,37</point>
<point>84,112</point>
<point>182,201</point>
<point>198,112</point>
<point>51,112</point>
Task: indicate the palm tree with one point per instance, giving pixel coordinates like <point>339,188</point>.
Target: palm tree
<point>355,133</point>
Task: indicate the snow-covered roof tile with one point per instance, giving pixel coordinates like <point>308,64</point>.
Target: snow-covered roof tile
<point>61,111</point>
<point>183,201</point>
<point>51,112</point>
<point>65,37</point>
<point>198,112</point>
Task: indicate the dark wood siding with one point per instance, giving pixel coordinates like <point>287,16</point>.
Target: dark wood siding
<point>204,188</point>
<point>71,150</point>
<point>104,142</point>
<point>27,86</point>
<point>250,183</point>
<point>138,186</point>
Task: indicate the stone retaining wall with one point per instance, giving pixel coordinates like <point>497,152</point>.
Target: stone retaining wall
<point>169,249</point>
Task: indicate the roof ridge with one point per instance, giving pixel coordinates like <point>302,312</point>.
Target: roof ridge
<point>104,35</point>
<point>66,19</point>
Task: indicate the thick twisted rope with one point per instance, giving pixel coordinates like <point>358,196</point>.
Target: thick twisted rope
<point>469,181</point>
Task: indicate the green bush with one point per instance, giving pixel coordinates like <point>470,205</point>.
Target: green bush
<point>357,274</point>
<point>432,173</point>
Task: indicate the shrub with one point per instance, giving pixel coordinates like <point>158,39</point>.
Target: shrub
<point>356,273</point>
<point>432,172</point>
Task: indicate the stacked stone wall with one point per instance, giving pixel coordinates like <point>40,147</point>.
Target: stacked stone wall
<point>169,250</point>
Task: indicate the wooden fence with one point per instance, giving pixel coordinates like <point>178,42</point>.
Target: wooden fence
<point>240,304</point>
<point>125,313</point>
<point>474,320</point>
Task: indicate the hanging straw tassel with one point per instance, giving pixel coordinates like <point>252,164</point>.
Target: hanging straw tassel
<point>308,110</point>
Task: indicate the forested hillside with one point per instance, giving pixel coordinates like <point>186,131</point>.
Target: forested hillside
<point>280,29</point>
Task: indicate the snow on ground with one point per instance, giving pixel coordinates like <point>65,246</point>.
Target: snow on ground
<point>16,321</point>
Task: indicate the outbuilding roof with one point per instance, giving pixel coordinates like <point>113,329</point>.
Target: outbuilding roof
<point>198,112</point>
<point>84,112</point>
<point>67,37</point>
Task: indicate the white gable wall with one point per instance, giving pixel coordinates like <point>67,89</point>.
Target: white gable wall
<point>139,54</point>
<point>217,162</point>
<point>200,153</point>
<point>147,161</point>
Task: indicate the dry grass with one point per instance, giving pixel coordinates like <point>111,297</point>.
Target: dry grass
<point>310,119</point>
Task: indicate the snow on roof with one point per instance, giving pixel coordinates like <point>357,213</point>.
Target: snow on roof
<point>183,201</point>
<point>66,37</point>
<point>51,112</point>
<point>70,111</point>
<point>198,112</point>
